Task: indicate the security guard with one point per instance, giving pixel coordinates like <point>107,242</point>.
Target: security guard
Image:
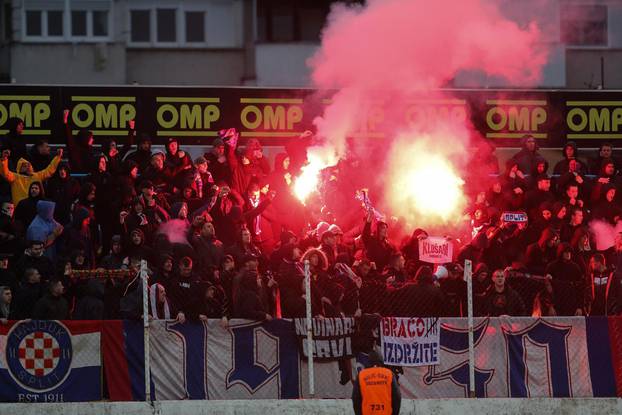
<point>375,390</point>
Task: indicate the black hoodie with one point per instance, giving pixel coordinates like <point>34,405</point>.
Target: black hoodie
<point>562,166</point>
<point>568,283</point>
<point>26,209</point>
<point>63,191</point>
<point>14,142</point>
<point>539,254</point>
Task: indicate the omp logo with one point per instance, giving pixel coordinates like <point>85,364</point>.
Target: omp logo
<point>187,116</point>
<point>431,111</point>
<point>103,115</point>
<point>33,109</point>
<point>513,118</point>
<point>594,119</point>
<point>370,117</point>
<point>271,117</point>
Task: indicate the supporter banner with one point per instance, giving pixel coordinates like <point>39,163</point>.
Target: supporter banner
<point>523,357</point>
<point>514,217</point>
<point>332,337</point>
<point>194,115</point>
<point>410,341</point>
<point>248,360</point>
<point>123,350</point>
<point>436,250</point>
<point>50,361</point>
<point>45,361</point>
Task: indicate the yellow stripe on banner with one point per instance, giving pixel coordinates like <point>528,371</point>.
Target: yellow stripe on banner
<point>515,102</point>
<point>37,132</point>
<point>187,99</point>
<point>591,135</point>
<point>270,134</point>
<point>593,103</point>
<point>106,132</point>
<point>270,101</point>
<point>438,101</point>
<point>103,99</point>
<point>515,135</point>
<point>24,98</point>
<point>187,133</point>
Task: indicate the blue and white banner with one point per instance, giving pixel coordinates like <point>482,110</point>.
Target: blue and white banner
<point>50,361</point>
<point>514,357</point>
<point>410,341</point>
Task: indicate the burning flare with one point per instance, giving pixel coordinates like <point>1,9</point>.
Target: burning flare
<point>318,158</point>
<point>425,185</point>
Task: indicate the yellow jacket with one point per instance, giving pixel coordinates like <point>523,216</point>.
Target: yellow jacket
<point>20,184</point>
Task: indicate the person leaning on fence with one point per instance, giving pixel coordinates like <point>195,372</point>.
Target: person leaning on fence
<point>375,390</point>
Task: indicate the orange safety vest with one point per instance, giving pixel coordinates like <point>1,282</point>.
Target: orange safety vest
<point>375,384</point>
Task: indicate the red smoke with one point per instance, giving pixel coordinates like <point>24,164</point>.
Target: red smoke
<point>390,50</point>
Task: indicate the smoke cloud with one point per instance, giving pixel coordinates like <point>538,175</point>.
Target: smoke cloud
<point>393,51</point>
<point>604,233</point>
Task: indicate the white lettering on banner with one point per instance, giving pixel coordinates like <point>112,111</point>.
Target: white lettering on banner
<point>436,250</point>
<point>332,337</point>
<point>514,217</point>
<point>410,341</point>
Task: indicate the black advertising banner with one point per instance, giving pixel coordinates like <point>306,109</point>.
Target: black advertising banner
<point>332,337</point>
<point>195,114</point>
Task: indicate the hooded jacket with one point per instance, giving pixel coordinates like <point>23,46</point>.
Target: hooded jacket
<point>43,226</point>
<point>63,191</point>
<point>539,254</point>
<point>14,142</point>
<point>604,209</point>
<point>141,157</point>
<point>21,183</point>
<point>80,151</point>
<point>526,159</point>
<point>561,166</point>
<point>26,210</point>
<point>568,283</point>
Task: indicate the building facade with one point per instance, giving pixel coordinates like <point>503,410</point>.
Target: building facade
<point>256,42</point>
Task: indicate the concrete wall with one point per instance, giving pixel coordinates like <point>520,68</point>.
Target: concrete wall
<point>185,67</point>
<point>284,64</point>
<point>325,406</point>
<point>92,63</point>
<point>583,68</point>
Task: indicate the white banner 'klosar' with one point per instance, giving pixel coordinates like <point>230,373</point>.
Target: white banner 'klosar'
<point>436,250</point>
<point>410,341</point>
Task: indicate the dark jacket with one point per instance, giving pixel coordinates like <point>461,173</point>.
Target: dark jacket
<point>249,303</point>
<point>378,251</point>
<point>25,297</point>
<point>90,305</point>
<point>507,302</point>
<point>209,252</point>
<point>51,308</point>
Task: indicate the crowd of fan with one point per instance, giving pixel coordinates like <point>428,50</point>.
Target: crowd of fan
<point>224,237</point>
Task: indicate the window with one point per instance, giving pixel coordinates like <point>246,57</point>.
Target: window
<point>8,22</point>
<point>195,27</point>
<point>141,26</point>
<point>100,23</point>
<point>78,23</point>
<point>33,23</point>
<point>66,20</point>
<point>55,22</point>
<point>293,20</point>
<point>584,25</point>
<point>166,25</point>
